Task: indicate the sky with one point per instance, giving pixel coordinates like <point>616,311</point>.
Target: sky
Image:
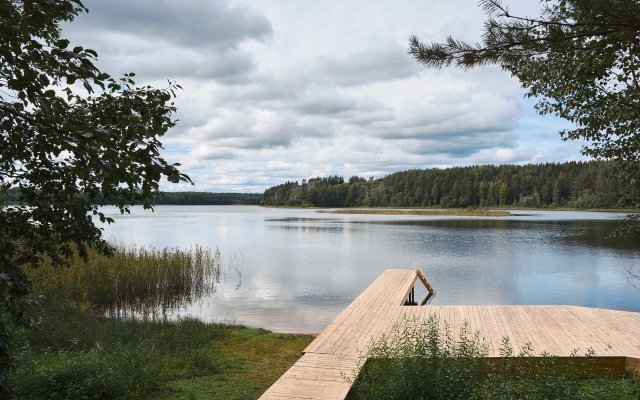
<point>277,90</point>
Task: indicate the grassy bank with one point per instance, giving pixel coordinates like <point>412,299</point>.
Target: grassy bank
<point>74,354</point>
<point>81,347</point>
<point>475,212</point>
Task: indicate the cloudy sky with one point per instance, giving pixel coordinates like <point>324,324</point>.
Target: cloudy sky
<point>278,90</point>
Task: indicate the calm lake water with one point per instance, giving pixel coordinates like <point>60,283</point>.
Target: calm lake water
<point>294,270</point>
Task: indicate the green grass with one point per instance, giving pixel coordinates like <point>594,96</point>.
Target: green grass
<point>255,359</point>
<point>75,354</point>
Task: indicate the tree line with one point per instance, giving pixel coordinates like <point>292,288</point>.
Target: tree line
<point>572,184</point>
<point>209,199</point>
<point>13,196</point>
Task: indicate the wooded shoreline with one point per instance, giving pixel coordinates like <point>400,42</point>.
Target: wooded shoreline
<point>573,185</point>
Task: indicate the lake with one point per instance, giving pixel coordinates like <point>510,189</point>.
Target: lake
<point>294,270</point>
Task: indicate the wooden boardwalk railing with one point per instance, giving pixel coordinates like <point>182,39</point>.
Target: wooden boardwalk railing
<point>558,330</point>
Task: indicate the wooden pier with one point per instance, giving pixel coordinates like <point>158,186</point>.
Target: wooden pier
<point>558,330</point>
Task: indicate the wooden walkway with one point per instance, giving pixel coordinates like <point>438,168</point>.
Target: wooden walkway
<point>558,330</point>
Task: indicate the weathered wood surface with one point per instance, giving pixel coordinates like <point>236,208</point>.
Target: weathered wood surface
<point>556,329</point>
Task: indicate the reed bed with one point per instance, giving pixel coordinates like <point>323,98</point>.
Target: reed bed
<point>138,282</point>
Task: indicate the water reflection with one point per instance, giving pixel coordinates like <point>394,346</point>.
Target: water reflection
<point>298,269</point>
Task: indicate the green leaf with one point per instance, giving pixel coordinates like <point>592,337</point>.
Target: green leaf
<point>62,43</point>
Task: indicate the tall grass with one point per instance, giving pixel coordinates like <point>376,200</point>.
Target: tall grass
<point>71,354</point>
<point>134,282</point>
<point>427,361</point>
<point>417,360</point>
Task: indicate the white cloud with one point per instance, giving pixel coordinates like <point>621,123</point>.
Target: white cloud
<point>163,38</point>
<point>214,24</point>
<point>276,90</point>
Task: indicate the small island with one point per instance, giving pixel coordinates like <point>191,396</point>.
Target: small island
<point>469,211</point>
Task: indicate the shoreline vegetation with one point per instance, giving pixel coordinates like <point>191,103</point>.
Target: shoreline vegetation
<point>105,331</point>
<point>207,198</point>
<point>12,196</point>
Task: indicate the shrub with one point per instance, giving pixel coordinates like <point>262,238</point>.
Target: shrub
<point>426,361</point>
<point>417,361</point>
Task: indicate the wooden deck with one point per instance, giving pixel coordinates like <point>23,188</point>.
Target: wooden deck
<point>558,330</point>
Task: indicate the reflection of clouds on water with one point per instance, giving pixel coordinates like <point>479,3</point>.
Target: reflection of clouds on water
<point>295,270</point>
<point>298,318</point>
<point>584,289</point>
<point>234,267</point>
<point>331,228</point>
<point>259,301</point>
<point>298,219</point>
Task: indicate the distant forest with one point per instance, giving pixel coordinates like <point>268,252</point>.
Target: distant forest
<point>572,184</point>
<point>206,198</point>
<point>12,195</point>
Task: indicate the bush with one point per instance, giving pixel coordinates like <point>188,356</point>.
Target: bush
<point>423,361</point>
<point>416,362</point>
